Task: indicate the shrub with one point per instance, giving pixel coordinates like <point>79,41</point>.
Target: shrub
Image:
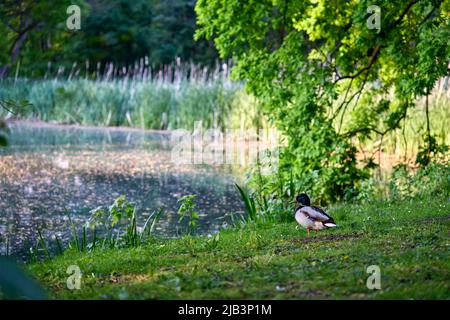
<point>431,180</point>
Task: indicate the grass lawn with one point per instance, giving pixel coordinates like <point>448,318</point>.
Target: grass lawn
<point>408,240</point>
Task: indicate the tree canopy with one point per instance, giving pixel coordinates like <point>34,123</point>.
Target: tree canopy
<point>312,63</point>
<point>26,24</point>
<point>34,34</point>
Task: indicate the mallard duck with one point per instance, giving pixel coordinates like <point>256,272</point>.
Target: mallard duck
<point>311,217</point>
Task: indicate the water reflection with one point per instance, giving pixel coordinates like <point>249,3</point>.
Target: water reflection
<point>50,171</point>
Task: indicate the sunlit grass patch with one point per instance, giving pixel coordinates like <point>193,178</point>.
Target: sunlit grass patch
<point>276,261</point>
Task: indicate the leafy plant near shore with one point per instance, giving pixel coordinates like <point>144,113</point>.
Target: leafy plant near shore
<point>187,212</point>
<point>250,206</point>
<point>261,209</point>
<point>115,226</point>
<point>119,223</point>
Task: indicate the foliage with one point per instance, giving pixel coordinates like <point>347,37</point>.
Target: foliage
<point>172,37</point>
<point>119,223</point>
<point>312,62</point>
<point>116,31</point>
<point>187,211</point>
<point>120,212</point>
<point>36,39</point>
<point>11,107</point>
<point>430,181</point>
<point>16,284</point>
<point>123,32</point>
<point>260,209</point>
<point>431,151</point>
<point>14,107</point>
<point>250,206</point>
<point>26,24</point>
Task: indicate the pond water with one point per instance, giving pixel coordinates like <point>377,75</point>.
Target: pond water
<point>49,171</point>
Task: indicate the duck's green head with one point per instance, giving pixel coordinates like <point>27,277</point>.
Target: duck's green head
<point>303,199</point>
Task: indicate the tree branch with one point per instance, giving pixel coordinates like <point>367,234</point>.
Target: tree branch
<point>376,52</point>
<point>352,133</point>
<point>367,67</point>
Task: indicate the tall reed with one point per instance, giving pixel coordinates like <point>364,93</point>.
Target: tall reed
<point>175,97</point>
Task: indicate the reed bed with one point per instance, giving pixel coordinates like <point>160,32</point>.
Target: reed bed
<point>177,96</point>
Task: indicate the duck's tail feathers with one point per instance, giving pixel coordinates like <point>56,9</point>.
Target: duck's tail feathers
<point>330,224</point>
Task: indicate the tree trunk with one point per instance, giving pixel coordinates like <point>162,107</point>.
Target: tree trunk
<point>4,71</point>
<point>16,46</point>
<point>428,125</point>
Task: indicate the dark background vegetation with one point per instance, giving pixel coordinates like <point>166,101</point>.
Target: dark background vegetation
<point>117,31</point>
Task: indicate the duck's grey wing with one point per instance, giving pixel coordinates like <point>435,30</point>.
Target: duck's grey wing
<point>315,213</point>
<point>305,213</point>
<point>322,212</point>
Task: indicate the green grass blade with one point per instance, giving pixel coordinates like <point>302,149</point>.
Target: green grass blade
<point>249,203</point>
